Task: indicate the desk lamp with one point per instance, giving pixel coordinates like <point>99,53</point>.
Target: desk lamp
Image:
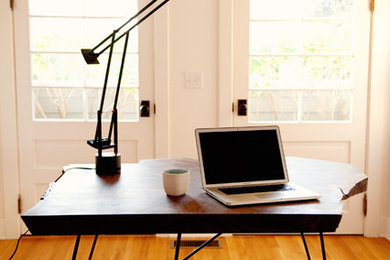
<point>109,163</point>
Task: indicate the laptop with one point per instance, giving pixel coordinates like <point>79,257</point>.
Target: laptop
<point>246,165</point>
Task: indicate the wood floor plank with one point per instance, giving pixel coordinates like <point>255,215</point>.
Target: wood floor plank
<point>236,247</point>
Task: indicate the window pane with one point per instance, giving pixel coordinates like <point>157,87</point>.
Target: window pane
<point>288,9</point>
<point>328,8</point>
<point>110,8</point>
<point>274,37</point>
<point>275,72</point>
<point>56,34</point>
<point>327,72</point>
<point>273,106</point>
<point>327,37</point>
<point>275,9</point>
<point>56,8</point>
<point>58,103</point>
<point>96,73</point>
<point>127,103</point>
<point>57,69</point>
<point>97,30</point>
<point>326,105</point>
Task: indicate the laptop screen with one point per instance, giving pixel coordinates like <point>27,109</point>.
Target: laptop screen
<point>240,156</point>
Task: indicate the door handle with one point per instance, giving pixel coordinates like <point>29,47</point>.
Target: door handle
<point>242,107</point>
<point>144,108</point>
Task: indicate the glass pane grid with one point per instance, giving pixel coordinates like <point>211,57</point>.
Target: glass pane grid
<point>64,87</point>
<point>301,59</point>
<point>301,9</point>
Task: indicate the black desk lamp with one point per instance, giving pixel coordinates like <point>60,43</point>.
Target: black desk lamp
<point>110,163</point>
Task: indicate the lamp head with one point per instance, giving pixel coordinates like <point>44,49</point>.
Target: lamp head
<point>90,57</point>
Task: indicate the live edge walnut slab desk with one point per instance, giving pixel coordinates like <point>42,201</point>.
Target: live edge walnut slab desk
<point>134,202</point>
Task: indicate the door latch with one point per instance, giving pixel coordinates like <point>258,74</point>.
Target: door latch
<point>242,107</point>
<point>144,108</point>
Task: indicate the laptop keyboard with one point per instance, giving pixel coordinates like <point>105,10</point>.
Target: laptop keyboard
<point>253,189</point>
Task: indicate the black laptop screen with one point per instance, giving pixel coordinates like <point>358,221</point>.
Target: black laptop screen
<point>241,156</point>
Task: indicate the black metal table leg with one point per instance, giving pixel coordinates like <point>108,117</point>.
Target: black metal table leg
<point>306,248</point>
<point>76,247</point>
<point>201,246</point>
<point>323,246</point>
<point>177,246</point>
<point>93,247</point>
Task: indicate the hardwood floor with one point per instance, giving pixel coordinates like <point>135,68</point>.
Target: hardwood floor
<point>237,247</point>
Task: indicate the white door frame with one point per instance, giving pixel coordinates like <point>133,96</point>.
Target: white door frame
<point>9,170</point>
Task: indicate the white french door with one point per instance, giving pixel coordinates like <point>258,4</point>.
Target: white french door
<point>58,94</point>
<point>303,65</point>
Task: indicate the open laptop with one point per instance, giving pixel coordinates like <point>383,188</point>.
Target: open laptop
<point>246,165</point>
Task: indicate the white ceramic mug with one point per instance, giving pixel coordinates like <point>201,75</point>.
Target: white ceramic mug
<point>176,181</point>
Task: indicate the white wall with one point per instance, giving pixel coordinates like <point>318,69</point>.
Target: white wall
<point>9,225</point>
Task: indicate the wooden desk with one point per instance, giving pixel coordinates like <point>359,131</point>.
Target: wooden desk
<point>135,203</point>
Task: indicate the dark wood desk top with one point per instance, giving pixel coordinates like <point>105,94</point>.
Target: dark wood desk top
<point>135,203</point>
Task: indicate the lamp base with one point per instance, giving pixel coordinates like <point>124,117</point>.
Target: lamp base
<point>108,164</point>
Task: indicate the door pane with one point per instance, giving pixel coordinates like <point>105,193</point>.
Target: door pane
<point>320,37</point>
<point>55,69</point>
<point>327,72</point>
<point>95,73</point>
<point>275,72</point>
<point>273,105</point>
<point>127,103</point>
<point>326,105</point>
<point>56,34</point>
<point>274,37</point>
<point>58,103</point>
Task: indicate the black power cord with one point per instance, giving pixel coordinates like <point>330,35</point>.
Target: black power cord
<point>17,244</point>
<point>73,168</point>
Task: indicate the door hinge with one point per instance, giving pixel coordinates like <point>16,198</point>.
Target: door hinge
<point>154,108</point>
<point>11,4</point>
<point>233,107</point>
<point>365,204</point>
<point>372,6</point>
<point>19,204</point>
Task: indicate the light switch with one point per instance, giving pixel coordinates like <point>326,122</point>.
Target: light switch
<point>193,79</point>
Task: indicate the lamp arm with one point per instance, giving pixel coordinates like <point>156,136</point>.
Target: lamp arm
<point>89,54</point>
<point>114,109</point>
<point>123,25</point>
<point>135,25</point>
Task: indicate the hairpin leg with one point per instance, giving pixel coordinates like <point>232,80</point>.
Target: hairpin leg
<point>93,247</point>
<point>201,246</point>
<point>76,247</point>
<point>177,246</point>
<point>306,248</point>
<point>322,246</point>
